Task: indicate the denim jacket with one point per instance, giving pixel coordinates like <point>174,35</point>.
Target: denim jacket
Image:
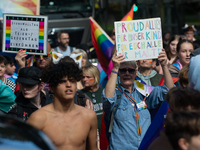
<point>124,133</point>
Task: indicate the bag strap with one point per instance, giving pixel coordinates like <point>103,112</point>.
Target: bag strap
<point>71,49</point>
<point>81,99</point>
<point>112,119</point>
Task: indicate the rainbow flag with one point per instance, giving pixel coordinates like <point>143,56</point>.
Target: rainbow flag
<point>129,15</point>
<point>103,75</point>
<point>103,46</point>
<point>30,61</point>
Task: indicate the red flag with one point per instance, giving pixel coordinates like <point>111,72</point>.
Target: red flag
<point>129,15</point>
<point>162,81</point>
<point>103,139</point>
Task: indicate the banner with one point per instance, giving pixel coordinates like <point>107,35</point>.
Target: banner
<point>29,7</point>
<point>139,39</point>
<point>25,32</point>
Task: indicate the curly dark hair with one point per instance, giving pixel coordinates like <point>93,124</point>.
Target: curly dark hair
<point>55,72</point>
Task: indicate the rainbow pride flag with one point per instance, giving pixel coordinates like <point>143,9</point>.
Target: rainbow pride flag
<point>8,31</point>
<point>30,61</point>
<point>103,46</point>
<point>41,35</point>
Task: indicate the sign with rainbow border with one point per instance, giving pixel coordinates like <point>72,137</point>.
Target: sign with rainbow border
<point>139,39</point>
<point>27,32</point>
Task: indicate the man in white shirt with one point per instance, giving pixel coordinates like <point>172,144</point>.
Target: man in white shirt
<point>63,40</point>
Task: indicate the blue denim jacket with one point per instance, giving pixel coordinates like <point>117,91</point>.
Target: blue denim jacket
<point>124,133</point>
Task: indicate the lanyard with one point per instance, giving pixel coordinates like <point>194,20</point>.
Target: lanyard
<point>136,112</point>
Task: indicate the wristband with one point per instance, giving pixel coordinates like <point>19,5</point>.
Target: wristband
<point>114,71</point>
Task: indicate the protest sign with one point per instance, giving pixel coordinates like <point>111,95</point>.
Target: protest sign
<point>29,7</point>
<point>25,32</point>
<point>139,39</point>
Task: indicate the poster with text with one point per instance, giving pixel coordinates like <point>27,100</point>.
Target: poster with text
<point>29,7</point>
<point>25,32</point>
<point>139,39</point>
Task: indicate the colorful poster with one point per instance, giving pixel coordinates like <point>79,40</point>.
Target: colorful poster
<point>29,7</point>
<point>25,32</point>
<point>139,39</point>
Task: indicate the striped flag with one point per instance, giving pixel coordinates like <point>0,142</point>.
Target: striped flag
<point>103,46</point>
<point>30,61</point>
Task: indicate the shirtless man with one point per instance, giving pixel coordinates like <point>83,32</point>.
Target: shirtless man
<point>69,126</point>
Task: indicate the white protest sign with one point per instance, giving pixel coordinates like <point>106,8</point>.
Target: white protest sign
<point>25,32</point>
<point>139,39</point>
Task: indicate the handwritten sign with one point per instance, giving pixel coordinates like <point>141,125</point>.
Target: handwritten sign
<point>25,32</point>
<point>139,39</point>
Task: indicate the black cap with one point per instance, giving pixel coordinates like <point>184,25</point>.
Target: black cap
<point>29,75</point>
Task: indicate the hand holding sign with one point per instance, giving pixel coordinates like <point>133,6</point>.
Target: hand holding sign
<point>117,59</point>
<point>20,58</point>
<point>162,57</point>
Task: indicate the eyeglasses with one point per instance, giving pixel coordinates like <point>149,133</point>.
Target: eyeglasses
<point>124,70</point>
<point>93,98</point>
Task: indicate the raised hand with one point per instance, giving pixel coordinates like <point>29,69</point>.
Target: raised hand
<point>117,59</point>
<point>20,58</point>
<point>162,57</point>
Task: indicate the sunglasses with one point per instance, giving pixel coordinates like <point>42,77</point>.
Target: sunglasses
<point>45,57</point>
<point>37,57</point>
<point>124,70</point>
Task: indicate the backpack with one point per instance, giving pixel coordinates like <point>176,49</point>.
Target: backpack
<point>81,99</point>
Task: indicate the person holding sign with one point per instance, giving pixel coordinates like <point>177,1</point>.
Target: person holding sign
<point>126,113</point>
<point>42,61</point>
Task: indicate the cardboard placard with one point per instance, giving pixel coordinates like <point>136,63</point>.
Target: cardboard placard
<point>139,39</point>
<point>25,32</point>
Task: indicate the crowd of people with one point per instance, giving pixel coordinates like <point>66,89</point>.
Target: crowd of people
<point>64,99</point>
